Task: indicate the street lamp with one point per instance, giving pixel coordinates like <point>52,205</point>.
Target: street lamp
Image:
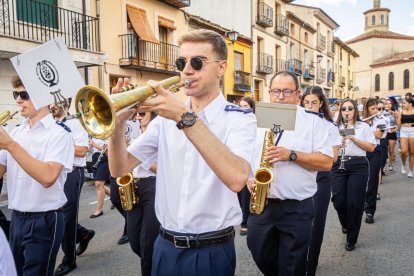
<point>232,36</point>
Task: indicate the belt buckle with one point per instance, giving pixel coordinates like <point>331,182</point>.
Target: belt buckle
<point>187,239</point>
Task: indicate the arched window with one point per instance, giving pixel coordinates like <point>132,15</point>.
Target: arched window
<point>382,19</point>
<point>377,82</point>
<point>373,20</point>
<point>391,81</point>
<point>406,79</point>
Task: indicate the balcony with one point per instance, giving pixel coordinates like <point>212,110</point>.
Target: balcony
<point>321,43</point>
<point>282,65</point>
<point>264,63</point>
<point>321,77</point>
<point>331,49</point>
<point>242,81</point>
<point>331,78</point>
<point>295,66</point>
<point>350,84</point>
<point>282,25</point>
<point>342,81</point>
<point>309,73</point>
<point>177,3</point>
<point>34,21</point>
<point>264,15</point>
<point>148,56</point>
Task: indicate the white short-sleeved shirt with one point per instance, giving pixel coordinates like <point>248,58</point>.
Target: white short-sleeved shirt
<point>190,198</point>
<point>46,141</point>
<point>80,139</point>
<point>291,181</point>
<point>7,266</point>
<point>362,132</point>
<point>376,121</point>
<point>334,136</point>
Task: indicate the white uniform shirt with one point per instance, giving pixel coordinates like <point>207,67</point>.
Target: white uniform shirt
<point>7,266</point>
<point>190,198</point>
<point>80,139</point>
<point>375,123</point>
<point>48,142</point>
<point>334,136</point>
<point>362,132</point>
<point>291,181</point>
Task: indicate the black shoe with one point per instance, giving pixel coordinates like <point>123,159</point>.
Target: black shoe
<point>124,239</point>
<point>369,218</point>
<point>96,215</point>
<point>112,207</point>
<point>64,269</point>
<point>378,196</point>
<point>344,230</point>
<point>243,232</point>
<point>83,244</point>
<point>349,246</point>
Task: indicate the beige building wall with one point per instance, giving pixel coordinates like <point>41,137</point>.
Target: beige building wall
<point>344,71</point>
<point>398,71</point>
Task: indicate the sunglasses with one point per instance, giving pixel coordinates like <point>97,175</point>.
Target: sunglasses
<point>195,62</point>
<point>344,108</point>
<point>286,92</point>
<point>23,95</point>
<point>381,108</point>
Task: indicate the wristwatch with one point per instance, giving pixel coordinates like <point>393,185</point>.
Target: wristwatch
<point>292,156</point>
<point>187,119</point>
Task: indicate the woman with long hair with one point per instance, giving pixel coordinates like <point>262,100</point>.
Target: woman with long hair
<point>315,101</point>
<point>376,123</point>
<point>350,172</point>
<point>405,122</point>
<point>392,110</point>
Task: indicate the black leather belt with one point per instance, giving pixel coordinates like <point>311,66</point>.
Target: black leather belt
<point>77,167</point>
<point>347,158</point>
<point>30,214</point>
<point>198,240</point>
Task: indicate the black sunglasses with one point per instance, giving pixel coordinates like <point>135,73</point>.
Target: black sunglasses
<point>195,62</point>
<point>381,108</point>
<point>23,95</point>
<point>350,108</point>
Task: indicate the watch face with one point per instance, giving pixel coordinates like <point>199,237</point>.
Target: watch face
<point>189,119</point>
<point>293,156</point>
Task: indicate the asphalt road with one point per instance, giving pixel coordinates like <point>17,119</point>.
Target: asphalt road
<point>384,248</point>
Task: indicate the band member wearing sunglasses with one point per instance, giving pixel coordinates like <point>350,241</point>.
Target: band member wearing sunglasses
<point>203,150</point>
<point>37,156</point>
<point>349,185</point>
<point>279,237</point>
<point>377,124</point>
<point>314,100</point>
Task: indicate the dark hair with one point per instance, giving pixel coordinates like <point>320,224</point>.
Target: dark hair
<point>286,74</point>
<point>356,116</point>
<point>408,95</point>
<point>409,100</point>
<point>250,101</point>
<point>317,91</point>
<point>368,103</point>
<point>393,104</point>
<point>16,81</point>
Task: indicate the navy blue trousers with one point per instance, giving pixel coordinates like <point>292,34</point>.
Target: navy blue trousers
<point>321,201</point>
<point>279,238</point>
<point>35,241</point>
<point>72,188</point>
<point>116,201</point>
<point>348,194</point>
<point>374,159</point>
<point>143,226</point>
<point>218,260</point>
<point>244,200</point>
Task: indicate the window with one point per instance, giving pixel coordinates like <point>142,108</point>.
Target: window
<point>406,79</point>
<point>349,59</point>
<point>40,12</point>
<point>306,37</point>
<point>340,55</point>
<point>373,20</point>
<point>292,29</point>
<point>382,19</point>
<point>391,81</point>
<point>377,82</point>
<point>238,61</point>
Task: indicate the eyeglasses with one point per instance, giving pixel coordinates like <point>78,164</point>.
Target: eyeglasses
<point>381,108</point>
<point>344,108</point>
<point>195,62</point>
<point>23,95</point>
<point>286,92</point>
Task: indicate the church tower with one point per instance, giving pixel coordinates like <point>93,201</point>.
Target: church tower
<point>377,18</point>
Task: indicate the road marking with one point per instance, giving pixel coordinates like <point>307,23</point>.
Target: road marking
<point>94,202</point>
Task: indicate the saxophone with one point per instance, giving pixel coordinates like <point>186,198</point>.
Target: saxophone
<point>126,188</point>
<point>262,176</point>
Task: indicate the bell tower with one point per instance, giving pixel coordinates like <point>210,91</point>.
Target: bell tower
<point>377,18</point>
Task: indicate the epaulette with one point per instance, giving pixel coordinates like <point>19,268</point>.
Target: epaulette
<point>232,107</point>
<point>65,127</point>
<point>320,115</point>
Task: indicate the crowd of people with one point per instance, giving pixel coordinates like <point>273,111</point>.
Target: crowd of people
<point>194,166</point>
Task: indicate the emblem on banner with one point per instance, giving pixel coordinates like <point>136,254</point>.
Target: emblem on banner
<point>47,73</point>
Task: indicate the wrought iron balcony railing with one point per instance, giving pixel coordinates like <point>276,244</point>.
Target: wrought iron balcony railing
<point>295,66</point>
<point>321,44</point>
<point>282,25</point>
<point>350,84</point>
<point>264,63</point>
<point>177,3</point>
<point>330,49</point>
<point>342,81</point>
<point>148,56</point>
<point>242,81</point>
<point>264,14</point>
<point>39,22</point>
<point>309,72</point>
<point>282,65</point>
<point>321,77</point>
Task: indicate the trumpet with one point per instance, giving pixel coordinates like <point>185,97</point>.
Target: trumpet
<point>98,111</point>
<point>6,116</point>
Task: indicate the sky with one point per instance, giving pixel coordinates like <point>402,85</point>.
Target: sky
<point>349,15</point>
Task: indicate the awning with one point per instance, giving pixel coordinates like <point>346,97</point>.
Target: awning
<point>167,23</point>
<point>139,20</point>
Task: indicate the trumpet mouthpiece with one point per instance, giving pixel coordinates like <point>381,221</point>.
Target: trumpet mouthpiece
<point>187,83</point>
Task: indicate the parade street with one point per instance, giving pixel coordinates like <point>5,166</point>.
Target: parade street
<point>383,248</point>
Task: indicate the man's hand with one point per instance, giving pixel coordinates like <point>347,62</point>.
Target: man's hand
<point>276,154</point>
<point>5,139</point>
<point>250,185</point>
